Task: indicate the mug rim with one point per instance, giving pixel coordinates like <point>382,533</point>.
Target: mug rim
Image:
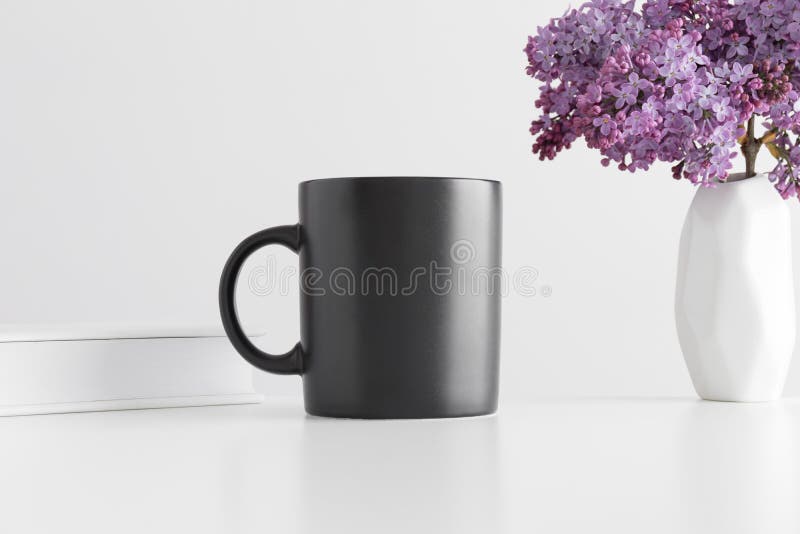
<point>398,178</point>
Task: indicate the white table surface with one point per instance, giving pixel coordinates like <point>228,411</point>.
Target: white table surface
<point>582,466</point>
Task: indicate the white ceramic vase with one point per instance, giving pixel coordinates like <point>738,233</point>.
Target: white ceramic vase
<point>734,304</point>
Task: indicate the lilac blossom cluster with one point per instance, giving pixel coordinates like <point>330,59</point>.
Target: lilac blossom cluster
<point>677,81</point>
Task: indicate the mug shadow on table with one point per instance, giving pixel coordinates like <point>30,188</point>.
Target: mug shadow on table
<point>401,476</point>
<point>311,474</point>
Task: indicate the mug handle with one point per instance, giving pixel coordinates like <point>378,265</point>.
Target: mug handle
<point>290,363</point>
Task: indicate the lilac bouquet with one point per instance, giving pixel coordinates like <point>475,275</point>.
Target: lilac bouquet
<point>678,81</point>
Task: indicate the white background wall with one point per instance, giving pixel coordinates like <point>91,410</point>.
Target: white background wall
<point>140,141</point>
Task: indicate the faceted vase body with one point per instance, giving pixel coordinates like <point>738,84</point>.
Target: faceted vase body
<point>734,304</point>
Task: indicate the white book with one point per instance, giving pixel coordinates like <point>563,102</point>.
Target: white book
<point>91,367</point>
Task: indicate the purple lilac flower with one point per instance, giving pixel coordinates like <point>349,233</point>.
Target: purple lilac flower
<point>738,47</point>
<point>695,59</point>
<point>626,96</point>
<point>606,124</point>
<point>672,81</point>
<point>740,73</point>
<point>794,29</point>
<point>707,97</point>
<point>678,48</point>
<point>721,107</point>
<point>769,8</point>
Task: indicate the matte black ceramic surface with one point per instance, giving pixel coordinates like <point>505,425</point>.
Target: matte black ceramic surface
<point>400,297</point>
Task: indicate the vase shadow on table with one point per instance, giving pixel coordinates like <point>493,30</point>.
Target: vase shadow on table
<point>740,467</point>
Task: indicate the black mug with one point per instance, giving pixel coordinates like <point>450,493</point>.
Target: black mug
<point>401,283</point>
